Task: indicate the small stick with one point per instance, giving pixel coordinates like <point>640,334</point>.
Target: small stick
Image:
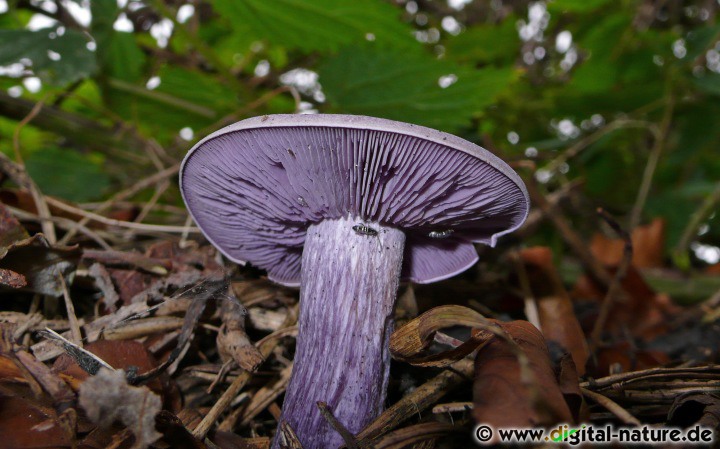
<point>119,223</point>
<point>421,398</point>
<point>611,406</point>
<point>531,307</point>
<point>266,346</point>
<point>616,284</point>
<point>453,407</point>
<point>571,238</point>
<point>72,318</point>
<point>347,437</point>
<point>288,438</point>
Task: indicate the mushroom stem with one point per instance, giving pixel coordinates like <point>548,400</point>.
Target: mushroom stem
<point>350,277</point>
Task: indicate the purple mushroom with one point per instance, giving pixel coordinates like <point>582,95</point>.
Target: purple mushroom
<point>345,206</point>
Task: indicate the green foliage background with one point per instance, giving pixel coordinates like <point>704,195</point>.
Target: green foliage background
<point>639,80</point>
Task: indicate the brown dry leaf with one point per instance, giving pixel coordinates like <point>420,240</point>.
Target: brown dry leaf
<point>695,408</point>
<point>27,425</point>
<point>648,243</point>
<point>106,397</point>
<point>623,357</point>
<point>120,354</point>
<point>568,381</point>
<point>515,384</point>
<point>645,313</point>
<point>409,343</point>
<point>61,394</point>
<point>30,262</point>
<point>416,434</point>
<point>557,317</point>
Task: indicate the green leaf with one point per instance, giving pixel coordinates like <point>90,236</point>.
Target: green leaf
<point>183,98</point>
<point>68,174</point>
<point>697,41</point>
<point>121,57</point>
<point>76,61</point>
<point>405,86</point>
<point>709,83</point>
<point>317,25</point>
<point>485,43</point>
<point>600,71</point>
<point>117,52</point>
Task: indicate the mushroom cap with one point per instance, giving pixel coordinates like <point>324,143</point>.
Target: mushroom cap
<point>254,188</point>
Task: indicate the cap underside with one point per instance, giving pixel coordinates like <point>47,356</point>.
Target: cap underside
<point>254,191</point>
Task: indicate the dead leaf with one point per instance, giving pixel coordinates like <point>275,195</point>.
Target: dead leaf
<point>701,409</point>
<point>410,342</point>
<point>106,397</point>
<point>648,245</point>
<point>515,384</point>
<point>623,357</point>
<point>645,313</point>
<point>24,425</point>
<point>557,316</point>
<point>30,262</point>
<point>120,354</point>
<point>568,381</point>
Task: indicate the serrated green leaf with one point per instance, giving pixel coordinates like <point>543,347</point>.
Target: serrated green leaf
<point>317,25</point>
<point>121,57</point>
<point>68,174</point>
<point>76,61</point>
<point>183,98</point>
<point>405,86</point>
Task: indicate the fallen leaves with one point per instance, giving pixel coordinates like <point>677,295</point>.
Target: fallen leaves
<point>30,262</point>
<point>558,321</point>
<point>515,383</point>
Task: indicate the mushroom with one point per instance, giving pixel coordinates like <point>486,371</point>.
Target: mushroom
<point>345,206</point>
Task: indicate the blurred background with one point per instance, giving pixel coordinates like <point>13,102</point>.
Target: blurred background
<point>614,100</point>
<point>610,104</point>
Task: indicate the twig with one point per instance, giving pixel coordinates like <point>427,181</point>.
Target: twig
<point>266,347</point>
<point>615,286</point>
<point>421,398</point>
<point>159,190</point>
<point>571,238</point>
<point>611,406</point>
<point>72,317</point>
<point>127,193</point>
<point>659,137</point>
<point>63,223</point>
<point>26,181</point>
<point>119,223</point>
<point>73,127</point>
<point>531,307</point>
<point>347,437</point>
